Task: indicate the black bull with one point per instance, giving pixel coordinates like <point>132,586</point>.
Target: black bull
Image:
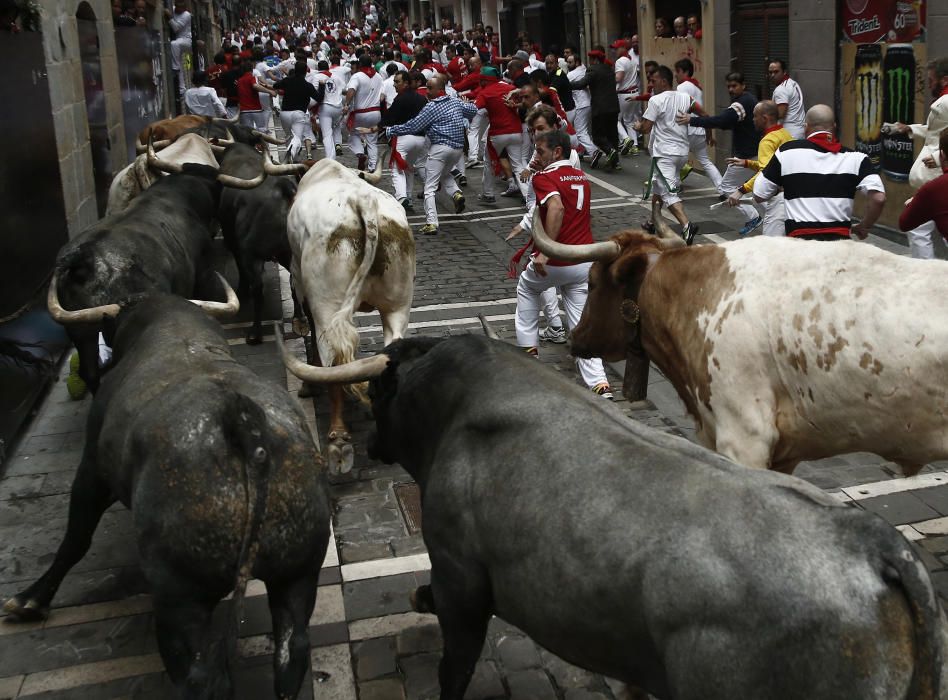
<point>155,245</point>
<point>636,554</point>
<point>221,473</point>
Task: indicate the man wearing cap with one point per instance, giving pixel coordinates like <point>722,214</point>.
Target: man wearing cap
<point>627,86</point>
<point>604,107</point>
<point>363,104</point>
<point>504,133</point>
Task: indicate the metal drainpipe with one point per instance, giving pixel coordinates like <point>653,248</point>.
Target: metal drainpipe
<point>589,9</point>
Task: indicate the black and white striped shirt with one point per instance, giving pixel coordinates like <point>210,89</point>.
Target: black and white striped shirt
<point>818,185</point>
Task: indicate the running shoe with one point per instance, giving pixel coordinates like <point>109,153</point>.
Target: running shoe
<point>428,230</point>
<point>487,199</point>
<point>553,334</point>
<point>458,202</point>
<point>604,390</point>
<point>685,171</point>
<point>595,159</point>
<point>689,232</point>
<point>750,226</point>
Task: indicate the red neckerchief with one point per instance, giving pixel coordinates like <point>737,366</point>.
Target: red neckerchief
<point>775,127</point>
<point>694,82</point>
<point>786,77</point>
<point>326,73</point>
<point>622,54</point>
<point>826,141</point>
<point>368,70</point>
<point>944,91</point>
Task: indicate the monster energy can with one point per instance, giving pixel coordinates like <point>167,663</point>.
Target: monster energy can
<point>898,105</point>
<point>868,86</point>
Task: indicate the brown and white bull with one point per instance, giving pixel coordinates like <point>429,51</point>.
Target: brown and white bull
<point>782,350</point>
<point>139,175</point>
<point>352,250</point>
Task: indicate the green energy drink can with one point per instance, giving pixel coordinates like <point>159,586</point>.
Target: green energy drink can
<point>868,87</point>
<point>898,87</point>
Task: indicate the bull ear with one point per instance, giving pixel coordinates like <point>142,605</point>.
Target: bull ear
<point>630,266</point>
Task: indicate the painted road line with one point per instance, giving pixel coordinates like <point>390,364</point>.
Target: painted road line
<point>389,566</point>
<point>453,305</point>
<point>442,323</point>
<point>62,679</point>
<point>910,532</point>
<point>897,485</point>
<point>932,528</point>
<point>387,626</point>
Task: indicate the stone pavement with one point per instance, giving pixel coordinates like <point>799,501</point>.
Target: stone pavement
<point>99,640</point>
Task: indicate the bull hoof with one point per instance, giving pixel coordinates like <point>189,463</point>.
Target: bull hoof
<point>31,611</point>
<point>254,338</point>
<point>422,601</point>
<point>301,327</point>
<point>341,456</point>
<point>305,391</point>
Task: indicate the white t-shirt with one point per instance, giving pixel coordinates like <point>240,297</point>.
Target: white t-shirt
<point>388,90</point>
<point>697,94</point>
<point>204,101</point>
<point>630,81</point>
<point>368,91</point>
<point>580,97</point>
<point>789,93</point>
<point>668,137</point>
<point>335,87</point>
<point>181,25</point>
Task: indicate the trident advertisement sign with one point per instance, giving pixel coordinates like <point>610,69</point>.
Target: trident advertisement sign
<point>875,21</point>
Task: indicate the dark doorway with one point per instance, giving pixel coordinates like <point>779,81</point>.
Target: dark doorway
<point>139,64</point>
<point>763,34</point>
<point>95,103</point>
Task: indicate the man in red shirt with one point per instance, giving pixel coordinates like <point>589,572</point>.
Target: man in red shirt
<point>248,98</point>
<point>930,203</point>
<point>563,195</point>
<point>505,132</point>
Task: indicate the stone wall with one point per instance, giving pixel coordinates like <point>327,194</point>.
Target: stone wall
<point>67,97</point>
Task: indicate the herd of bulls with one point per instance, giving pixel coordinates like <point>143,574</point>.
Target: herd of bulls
<point>625,551</point>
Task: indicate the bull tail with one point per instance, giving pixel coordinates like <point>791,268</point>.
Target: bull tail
<point>245,427</point>
<point>341,335</point>
<point>902,569</point>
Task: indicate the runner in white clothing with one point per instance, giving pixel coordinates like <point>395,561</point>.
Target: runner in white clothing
<point>180,23</point>
<point>789,98</point>
<point>580,116</point>
<point>669,144</point>
<point>628,85</point>
<point>697,137</point>
<point>363,105</point>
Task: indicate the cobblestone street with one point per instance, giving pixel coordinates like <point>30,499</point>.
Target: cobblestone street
<point>367,643</point>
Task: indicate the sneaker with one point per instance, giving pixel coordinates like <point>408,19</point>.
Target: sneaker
<point>624,146</point>
<point>338,150</point>
<point>75,386</point>
<point>689,232</point>
<point>750,226</point>
<point>532,351</point>
<point>685,171</point>
<point>633,150</point>
<point>613,158</point>
<point>407,204</point>
<point>428,230</point>
<point>458,202</point>
<point>487,199</point>
<point>461,180</point>
<point>512,192</point>
<point>603,390</point>
<point>473,163</point>
<point>595,159</point>
<point>553,334</point>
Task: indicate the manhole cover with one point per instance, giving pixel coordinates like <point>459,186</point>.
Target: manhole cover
<point>409,500</point>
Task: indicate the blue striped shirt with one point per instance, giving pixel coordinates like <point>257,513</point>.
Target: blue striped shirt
<point>444,120</point>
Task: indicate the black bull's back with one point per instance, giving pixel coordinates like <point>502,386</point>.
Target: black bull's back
<point>223,479</point>
<point>637,554</point>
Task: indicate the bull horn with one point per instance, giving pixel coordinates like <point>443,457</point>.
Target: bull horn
<point>374,177</point>
<point>90,315</point>
<point>239,182</point>
<point>229,141</point>
<point>488,331</point>
<point>350,373</point>
<point>216,148</point>
<point>232,120</point>
<point>606,251</point>
<point>270,139</point>
<point>158,145</point>
<point>216,309</point>
<point>157,163</point>
<point>271,168</point>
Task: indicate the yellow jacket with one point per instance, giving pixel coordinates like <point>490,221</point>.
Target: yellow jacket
<point>772,140</point>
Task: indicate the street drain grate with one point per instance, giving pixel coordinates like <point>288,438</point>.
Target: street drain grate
<point>409,500</point>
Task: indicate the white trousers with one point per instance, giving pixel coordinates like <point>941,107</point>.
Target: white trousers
<point>297,124</point>
<point>441,158</point>
<point>412,148</point>
<point>775,216</point>
<point>330,117</point>
<point>477,137</point>
<point>699,146</point>
<point>629,112</point>
<point>668,185</point>
<point>920,240</point>
<point>734,177</point>
<point>571,281</point>
<point>178,47</point>
<point>516,154</point>
<point>581,125</point>
<point>255,120</point>
<point>370,141</point>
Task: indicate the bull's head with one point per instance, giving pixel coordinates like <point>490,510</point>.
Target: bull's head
<point>609,324</point>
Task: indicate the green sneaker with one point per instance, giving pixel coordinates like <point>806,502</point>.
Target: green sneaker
<point>685,171</point>
<point>75,386</point>
<point>428,230</point>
